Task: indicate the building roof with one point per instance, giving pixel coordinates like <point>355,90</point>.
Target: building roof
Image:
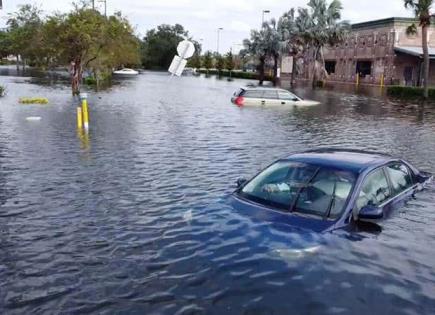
<point>352,160</point>
<point>415,51</point>
<point>383,22</point>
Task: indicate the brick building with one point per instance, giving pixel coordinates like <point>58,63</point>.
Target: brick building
<point>375,49</point>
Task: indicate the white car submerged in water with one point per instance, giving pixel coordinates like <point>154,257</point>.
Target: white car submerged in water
<point>263,96</point>
<point>126,72</point>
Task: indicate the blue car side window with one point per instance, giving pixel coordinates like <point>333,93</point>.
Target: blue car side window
<point>374,191</point>
<point>400,177</point>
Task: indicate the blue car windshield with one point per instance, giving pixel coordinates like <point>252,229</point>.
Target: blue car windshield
<point>301,187</point>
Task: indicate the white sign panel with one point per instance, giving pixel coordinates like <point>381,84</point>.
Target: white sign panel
<point>186,49</point>
<point>177,66</point>
<point>287,64</point>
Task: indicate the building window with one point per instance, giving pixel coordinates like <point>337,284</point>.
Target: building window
<point>383,40</point>
<point>330,66</point>
<point>364,67</point>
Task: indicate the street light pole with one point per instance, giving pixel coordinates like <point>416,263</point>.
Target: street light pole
<point>262,17</point>
<point>218,35</point>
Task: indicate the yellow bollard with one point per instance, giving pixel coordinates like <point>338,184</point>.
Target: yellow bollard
<point>84,97</point>
<point>79,118</point>
<point>357,79</point>
<point>382,80</point>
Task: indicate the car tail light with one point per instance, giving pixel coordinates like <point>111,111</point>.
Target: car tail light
<point>239,101</point>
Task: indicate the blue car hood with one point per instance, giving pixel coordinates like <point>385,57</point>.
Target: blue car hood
<point>278,219</point>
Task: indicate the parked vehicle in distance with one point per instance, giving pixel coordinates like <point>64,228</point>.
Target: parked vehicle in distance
<point>328,189</point>
<point>126,72</point>
<point>188,71</point>
<point>263,96</point>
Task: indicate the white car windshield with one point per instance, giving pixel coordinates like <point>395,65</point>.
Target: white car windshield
<point>301,187</point>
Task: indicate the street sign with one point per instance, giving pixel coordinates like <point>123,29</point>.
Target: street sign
<point>185,50</point>
<point>177,66</point>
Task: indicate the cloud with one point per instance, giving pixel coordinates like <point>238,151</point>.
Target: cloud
<point>240,26</point>
<point>202,17</point>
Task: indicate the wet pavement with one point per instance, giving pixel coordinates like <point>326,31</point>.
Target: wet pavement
<point>133,218</point>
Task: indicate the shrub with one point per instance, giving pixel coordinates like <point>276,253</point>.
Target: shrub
<point>408,92</point>
<point>235,74</point>
<point>33,100</point>
<point>2,91</point>
<point>90,81</point>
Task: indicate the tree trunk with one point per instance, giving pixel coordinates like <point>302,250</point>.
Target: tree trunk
<point>316,50</point>
<point>261,70</point>
<point>425,62</point>
<point>275,70</point>
<point>76,76</point>
<point>293,76</point>
<point>18,62</point>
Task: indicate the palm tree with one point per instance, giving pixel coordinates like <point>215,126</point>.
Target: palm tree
<point>421,10</point>
<point>273,44</point>
<point>292,42</point>
<point>257,46</point>
<point>319,26</point>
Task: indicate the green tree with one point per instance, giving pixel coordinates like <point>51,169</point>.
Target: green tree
<point>229,61</point>
<point>273,44</point>
<point>257,46</point>
<point>87,40</point>
<point>320,25</point>
<point>422,12</point>
<point>207,61</point>
<point>195,60</point>
<point>25,33</point>
<point>293,43</point>
<point>220,63</point>
<point>160,45</point>
<point>5,44</point>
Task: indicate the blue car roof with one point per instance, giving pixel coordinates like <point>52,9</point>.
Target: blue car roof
<point>355,161</point>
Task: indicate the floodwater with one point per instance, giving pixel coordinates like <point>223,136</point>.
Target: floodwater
<point>133,218</point>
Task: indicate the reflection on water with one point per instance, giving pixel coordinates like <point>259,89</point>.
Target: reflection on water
<point>133,218</point>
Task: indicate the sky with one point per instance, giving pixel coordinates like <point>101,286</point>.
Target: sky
<point>202,18</point>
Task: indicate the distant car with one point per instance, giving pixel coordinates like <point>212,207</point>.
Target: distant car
<point>188,71</point>
<point>262,96</point>
<point>328,189</point>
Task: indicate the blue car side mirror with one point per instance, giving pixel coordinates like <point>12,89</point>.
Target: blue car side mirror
<point>370,213</point>
<point>241,182</point>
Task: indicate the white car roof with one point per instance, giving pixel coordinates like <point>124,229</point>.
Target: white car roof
<point>262,88</point>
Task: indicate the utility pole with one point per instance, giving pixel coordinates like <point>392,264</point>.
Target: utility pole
<point>218,35</point>
<point>1,5</point>
<point>262,17</point>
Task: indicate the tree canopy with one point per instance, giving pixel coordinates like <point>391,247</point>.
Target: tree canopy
<point>422,11</point>
<point>159,46</point>
<point>308,32</point>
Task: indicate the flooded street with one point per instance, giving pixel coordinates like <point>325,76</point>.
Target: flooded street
<point>133,217</point>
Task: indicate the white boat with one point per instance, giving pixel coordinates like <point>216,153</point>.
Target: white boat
<point>126,71</point>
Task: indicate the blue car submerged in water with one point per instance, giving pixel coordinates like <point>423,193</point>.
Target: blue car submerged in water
<point>328,189</point>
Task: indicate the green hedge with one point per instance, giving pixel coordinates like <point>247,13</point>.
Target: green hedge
<point>408,92</point>
<point>235,74</point>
